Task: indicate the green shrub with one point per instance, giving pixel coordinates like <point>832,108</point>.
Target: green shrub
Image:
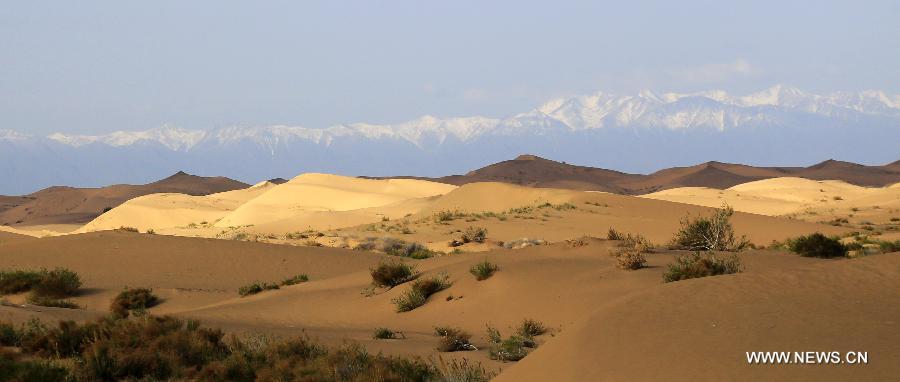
<point>12,282</point>
<point>255,288</point>
<point>58,283</point>
<point>36,299</point>
<point>133,299</point>
<point>701,265</point>
<point>474,235</point>
<point>714,233</point>
<point>419,292</point>
<point>13,369</point>
<point>453,339</point>
<point>302,278</point>
<point>817,245</point>
<point>483,270</point>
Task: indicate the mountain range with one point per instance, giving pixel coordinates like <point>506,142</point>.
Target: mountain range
<point>637,133</point>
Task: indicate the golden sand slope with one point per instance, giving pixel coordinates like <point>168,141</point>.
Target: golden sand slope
<point>627,321</point>
<point>323,192</point>
<point>168,210</point>
<point>700,329</point>
<point>805,198</point>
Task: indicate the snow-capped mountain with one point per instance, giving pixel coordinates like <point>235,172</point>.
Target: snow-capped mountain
<point>640,132</point>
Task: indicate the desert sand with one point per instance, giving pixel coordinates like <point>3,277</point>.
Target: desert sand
<point>605,323</point>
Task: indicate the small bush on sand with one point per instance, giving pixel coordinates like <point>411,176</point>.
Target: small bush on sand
<point>701,265</point>
<point>396,247</point>
<point>817,245</point>
<point>713,233</point>
<point>133,299</point>
<point>419,292</point>
<point>12,282</point>
<point>12,368</point>
<point>508,349</point>
<point>302,278</point>
<point>522,243</point>
<point>531,328</point>
<point>630,258</point>
<point>128,229</point>
<point>384,334</point>
<point>483,270</point>
<point>612,234</point>
<point>474,235</point>
<point>58,283</point>
<point>392,273</point>
<point>453,339</point>
<point>36,299</point>
<point>255,288</point>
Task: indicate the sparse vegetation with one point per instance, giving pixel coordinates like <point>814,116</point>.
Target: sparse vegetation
<point>531,328</point>
<point>302,278</point>
<point>513,348</point>
<point>453,339</point>
<point>419,292</point>
<point>612,234</point>
<point>474,235</point>
<point>384,334</point>
<point>701,265</point>
<point>133,299</point>
<point>36,299</point>
<point>166,348</point>
<point>255,288</point>
<point>817,245</point>
<point>48,288</point>
<point>713,233</point>
<point>522,243</point>
<point>630,258</point>
<point>128,229</point>
<point>396,247</point>
<point>12,282</point>
<point>483,270</point>
<point>58,283</point>
<point>392,273</point>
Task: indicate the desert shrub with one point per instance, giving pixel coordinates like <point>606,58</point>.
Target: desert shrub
<point>889,246</point>
<point>128,229</point>
<point>36,299</point>
<point>612,234</point>
<point>58,283</point>
<point>384,334</point>
<point>817,245</point>
<point>630,258</point>
<point>392,273</point>
<point>419,292</point>
<point>302,278</point>
<point>474,235</point>
<point>463,371</point>
<point>255,288</point>
<point>714,233</point>
<point>453,339</point>
<point>522,243</point>
<point>12,282</point>
<point>366,245</point>
<point>531,328</point>
<point>13,369</point>
<point>701,265</point>
<point>133,299</point>
<point>483,270</point>
<point>396,247</point>
<point>512,348</point>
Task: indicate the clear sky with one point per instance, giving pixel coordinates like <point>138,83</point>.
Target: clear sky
<point>94,67</point>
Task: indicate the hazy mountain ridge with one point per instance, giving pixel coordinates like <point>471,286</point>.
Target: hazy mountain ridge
<point>633,133</point>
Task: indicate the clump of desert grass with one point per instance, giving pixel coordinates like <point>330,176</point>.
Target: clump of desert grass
<point>419,291</point>
<point>713,233</point>
<point>402,248</point>
<point>138,299</point>
<point>483,270</point>
<point>514,347</point>
<point>387,334</point>
<point>474,235</point>
<point>256,287</point>
<point>453,339</point>
<point>389,274</point>
<point>700,264</point>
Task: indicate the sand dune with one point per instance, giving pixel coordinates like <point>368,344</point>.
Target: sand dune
<point>322,192</point>
<point>803,198</point>
<point>700,329</point>
<point>169,210</point>
<point>591,307</point>
<point>70,205</point>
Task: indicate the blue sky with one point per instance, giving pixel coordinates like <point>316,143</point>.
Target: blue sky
<point>94,67</point>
